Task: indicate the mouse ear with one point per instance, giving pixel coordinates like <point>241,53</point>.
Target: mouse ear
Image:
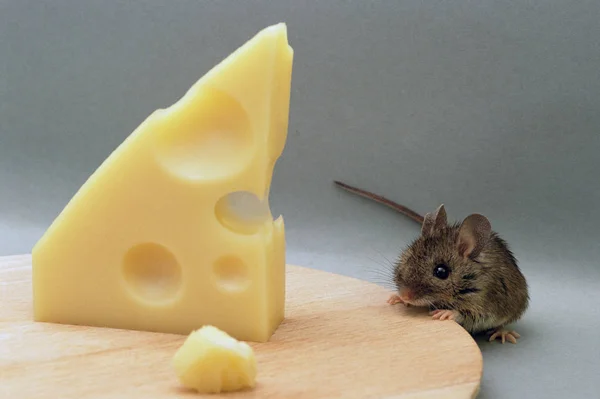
<point>473,234</point>
<point>441,220</point>
<point>428,222</point>
<point>435,221</point>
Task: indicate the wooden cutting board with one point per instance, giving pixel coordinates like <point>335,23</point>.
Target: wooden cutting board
<point>340,339</point>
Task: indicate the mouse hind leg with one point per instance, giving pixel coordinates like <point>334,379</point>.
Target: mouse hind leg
<point>504,335</point>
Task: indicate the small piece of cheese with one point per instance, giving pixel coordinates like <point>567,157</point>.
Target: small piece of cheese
<point>150,242</point>
<point>210,361</point>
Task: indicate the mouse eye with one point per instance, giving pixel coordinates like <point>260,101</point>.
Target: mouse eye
<point>441,271</point>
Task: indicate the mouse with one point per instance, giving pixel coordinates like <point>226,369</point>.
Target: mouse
<point>462,271</point>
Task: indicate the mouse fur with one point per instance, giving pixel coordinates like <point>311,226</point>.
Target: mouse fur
<point>484,289</point>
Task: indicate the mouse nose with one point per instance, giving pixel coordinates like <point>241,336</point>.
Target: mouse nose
<point>407,294</point>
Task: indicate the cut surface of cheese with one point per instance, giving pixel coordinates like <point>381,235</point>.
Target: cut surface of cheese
<point>211,361</point>
<point>152,242</point>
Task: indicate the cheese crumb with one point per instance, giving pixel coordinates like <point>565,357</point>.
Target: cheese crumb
<point>211,361</point>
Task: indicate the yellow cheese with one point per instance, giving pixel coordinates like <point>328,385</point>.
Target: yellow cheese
<point>211,361</point>
<point>150,242</point>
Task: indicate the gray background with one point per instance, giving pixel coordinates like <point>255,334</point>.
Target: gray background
<point>490,107</point>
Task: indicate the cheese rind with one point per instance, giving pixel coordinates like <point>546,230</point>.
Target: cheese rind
<point>149,242</point>
<point>211,361</point>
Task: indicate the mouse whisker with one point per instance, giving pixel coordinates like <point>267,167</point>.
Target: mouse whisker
<point>431,304</point>
<point>384,279</point>
<point>380,271</point>
<point>385,258</point>
<point>385,285</point>
<point>383,268</point>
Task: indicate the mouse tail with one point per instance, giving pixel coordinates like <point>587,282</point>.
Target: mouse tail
<point>382,200</point>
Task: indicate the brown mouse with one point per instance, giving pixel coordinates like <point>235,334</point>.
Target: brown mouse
<point>461,271</point>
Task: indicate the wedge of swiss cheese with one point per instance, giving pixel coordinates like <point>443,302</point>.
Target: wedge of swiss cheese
<point>150,241</point>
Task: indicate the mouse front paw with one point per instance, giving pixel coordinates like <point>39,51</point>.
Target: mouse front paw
<point>504,335</point>
<point>394,299</point>
<point>445,314</point>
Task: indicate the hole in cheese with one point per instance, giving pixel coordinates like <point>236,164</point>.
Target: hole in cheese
<point>231,274</point>
<point>152,273</point>
<point>242,212</point>
<point>207,140</point>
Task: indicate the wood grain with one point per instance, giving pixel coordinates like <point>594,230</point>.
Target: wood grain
<point>340,339</point>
